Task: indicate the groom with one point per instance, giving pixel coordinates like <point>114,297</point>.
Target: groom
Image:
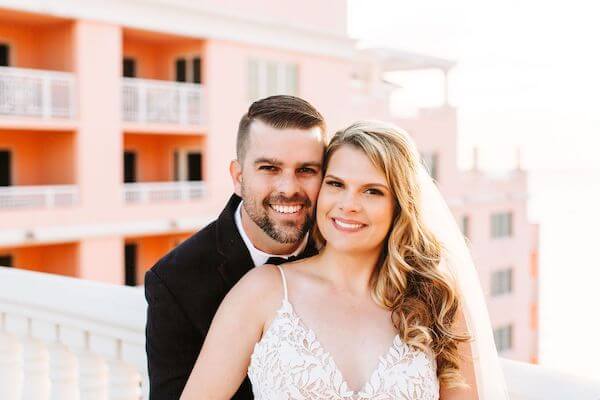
<point>276,178</point>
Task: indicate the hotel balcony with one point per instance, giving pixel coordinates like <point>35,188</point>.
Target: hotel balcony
<point>147,101</point>
<point>37,169</point>
<point>154,192</point>
<point>162,84</point>
<point>51,196</point>
<point>61,338</point>
<point>36,93</point>
<point>163,167</point>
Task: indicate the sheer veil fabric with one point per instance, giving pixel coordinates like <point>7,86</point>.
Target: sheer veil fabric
<point>458,263</point>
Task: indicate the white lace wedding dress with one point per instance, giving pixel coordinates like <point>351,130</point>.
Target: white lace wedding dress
<point>290,363</point>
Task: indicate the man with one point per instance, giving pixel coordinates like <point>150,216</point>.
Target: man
<point>276,176</point>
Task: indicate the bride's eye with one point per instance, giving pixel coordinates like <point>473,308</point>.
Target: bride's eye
<point>334,183</point>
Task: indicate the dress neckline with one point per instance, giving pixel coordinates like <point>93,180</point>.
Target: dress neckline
<point>393,348</point>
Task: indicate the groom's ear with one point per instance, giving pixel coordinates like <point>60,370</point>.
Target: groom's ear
<point>235,169</point>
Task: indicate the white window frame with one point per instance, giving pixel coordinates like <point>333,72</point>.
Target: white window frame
<point>285,73</point>
<point>502,224</point>
<point>501,282</point>
<point>503,337</point>
<point>182,162</point>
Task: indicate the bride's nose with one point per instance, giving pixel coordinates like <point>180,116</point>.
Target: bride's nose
<point>349,203</point>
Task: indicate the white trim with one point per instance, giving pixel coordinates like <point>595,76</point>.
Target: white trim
<point>191,19</point>
<point>61,234</point>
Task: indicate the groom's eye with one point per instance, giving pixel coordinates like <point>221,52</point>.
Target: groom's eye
<point>307,170</point>
<point>267,168</point>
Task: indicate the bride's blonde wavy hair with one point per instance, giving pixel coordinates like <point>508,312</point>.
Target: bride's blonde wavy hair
<point>423,300</point>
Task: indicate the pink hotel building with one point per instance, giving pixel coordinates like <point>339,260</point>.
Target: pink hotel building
<point>118,121</point>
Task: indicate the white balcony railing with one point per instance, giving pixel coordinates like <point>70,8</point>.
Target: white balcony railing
<point>65,338</point>
<point>154,101</point>
<point>36,93</point>
<point>70,339</point>
<point>154,192</point>
<point>38,196</point>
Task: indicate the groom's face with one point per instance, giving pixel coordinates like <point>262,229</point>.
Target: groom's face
<point>279,179</point>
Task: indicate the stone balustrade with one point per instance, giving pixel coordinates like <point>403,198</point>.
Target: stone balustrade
<point>70,339</point>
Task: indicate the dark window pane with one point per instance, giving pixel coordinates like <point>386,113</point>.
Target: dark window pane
<point>180,70</point>
<point>197,68</point>
<point>176,166</point>
<point>4,55</point>
<point>131,264</point>
<point>130,167</point>
<point>6,260</point>
<point>5,172</point>
<point>129,68</point>
<point>194,167</point>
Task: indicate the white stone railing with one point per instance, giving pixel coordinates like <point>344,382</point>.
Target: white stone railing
<point>154,192</point>
<point>70,339</point>
<point>154,101</point>
<point>36,93</point>
<point>64,338</point>
<point>532,382</point>
<point>12,197</point>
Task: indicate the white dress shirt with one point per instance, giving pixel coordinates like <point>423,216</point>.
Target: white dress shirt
<point>260,257</point>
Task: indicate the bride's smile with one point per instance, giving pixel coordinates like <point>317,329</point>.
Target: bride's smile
<point>355,207</point>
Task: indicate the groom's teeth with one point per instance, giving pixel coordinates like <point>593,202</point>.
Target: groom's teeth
<point>347,226</point>
<point>285,209</point>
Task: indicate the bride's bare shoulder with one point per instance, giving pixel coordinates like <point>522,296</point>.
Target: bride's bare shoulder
<point>261,288</point>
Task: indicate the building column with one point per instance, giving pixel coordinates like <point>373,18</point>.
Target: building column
<point>102,259</point>
<point>97,58</point>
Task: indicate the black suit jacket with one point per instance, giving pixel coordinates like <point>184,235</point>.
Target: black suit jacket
<point>183,291</point>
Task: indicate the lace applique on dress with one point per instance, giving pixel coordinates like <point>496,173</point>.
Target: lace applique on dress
<point>290,363</point>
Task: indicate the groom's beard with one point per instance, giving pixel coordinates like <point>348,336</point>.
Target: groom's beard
<point>285,232</point>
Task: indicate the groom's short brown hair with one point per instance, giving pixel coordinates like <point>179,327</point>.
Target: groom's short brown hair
<point>280,112</point>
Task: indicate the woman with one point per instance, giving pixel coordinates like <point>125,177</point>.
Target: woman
<point>375,315</point>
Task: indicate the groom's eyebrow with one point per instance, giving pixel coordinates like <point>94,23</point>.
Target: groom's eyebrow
<point>277,163</point>
<point>265,160</point>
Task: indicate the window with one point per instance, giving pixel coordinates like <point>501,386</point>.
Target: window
<point>5,165</point>
<point>188,69</point>
<point>6,260</point>
<point>129,67</point>
<point>503,338</point>
<point>267,78</point>
<point>502,281</point>
<point>501,224</point>
<point>430,161</point>
<point>131,264</point>
<point>4,55</point>
<point>129,164</point>
<point>187,165</point>
<point>464,225</point>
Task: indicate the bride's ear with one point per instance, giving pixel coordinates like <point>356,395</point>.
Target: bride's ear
<point>235,170</point>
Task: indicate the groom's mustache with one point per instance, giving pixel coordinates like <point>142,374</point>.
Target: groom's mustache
<point>294,200</point>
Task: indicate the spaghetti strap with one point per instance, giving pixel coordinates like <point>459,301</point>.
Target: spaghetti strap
<point>285,293</point>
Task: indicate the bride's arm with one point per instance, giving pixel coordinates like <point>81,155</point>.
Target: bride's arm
<point>466,369</point>
<point>223,361</point>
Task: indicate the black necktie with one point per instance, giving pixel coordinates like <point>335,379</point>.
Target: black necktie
<point>280,260</point>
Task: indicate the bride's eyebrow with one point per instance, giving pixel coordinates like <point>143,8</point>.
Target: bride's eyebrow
<point>373,184</point>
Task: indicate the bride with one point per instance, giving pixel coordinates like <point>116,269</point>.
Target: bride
<point>390,308</point>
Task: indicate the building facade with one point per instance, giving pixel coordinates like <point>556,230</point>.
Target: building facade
<point>118,122</point>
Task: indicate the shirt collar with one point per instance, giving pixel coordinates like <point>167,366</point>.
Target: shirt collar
<point>260,257</point>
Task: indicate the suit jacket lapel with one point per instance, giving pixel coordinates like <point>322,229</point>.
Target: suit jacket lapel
<point>236,257</point>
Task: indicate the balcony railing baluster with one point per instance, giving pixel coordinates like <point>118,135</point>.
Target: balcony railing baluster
<point>154,101</point>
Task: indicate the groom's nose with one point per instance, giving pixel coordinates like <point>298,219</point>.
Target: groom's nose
<point>288,184</point>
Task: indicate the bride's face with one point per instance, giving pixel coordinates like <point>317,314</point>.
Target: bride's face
<point>355,206</point>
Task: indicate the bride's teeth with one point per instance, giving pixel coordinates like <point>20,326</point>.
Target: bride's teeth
<point>348,226</point>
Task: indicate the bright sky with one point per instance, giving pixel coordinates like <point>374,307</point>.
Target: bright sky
<point>528,72</point>
<point>528,76</point>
